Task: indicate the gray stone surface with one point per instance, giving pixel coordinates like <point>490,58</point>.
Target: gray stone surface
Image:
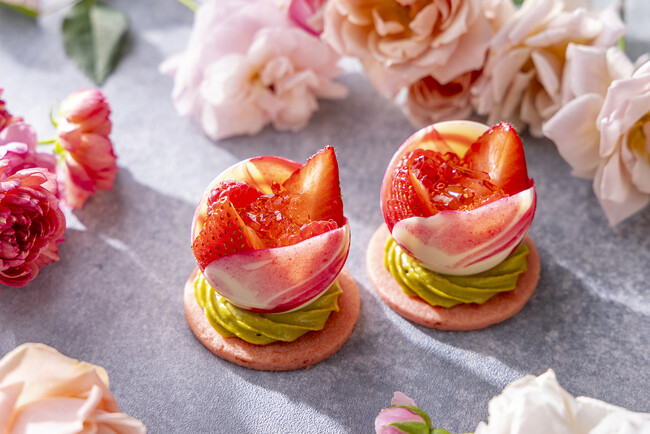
<point>115,298</point>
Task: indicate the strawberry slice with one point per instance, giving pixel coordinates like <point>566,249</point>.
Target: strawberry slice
<point>240,193</point>
<point>317,185</point>
<point>500,153</point>
<point>408,197</point>
<point>224,233</point>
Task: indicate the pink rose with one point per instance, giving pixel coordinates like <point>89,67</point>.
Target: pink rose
<point>89,162</point>
<point>308,14</point>
<point>267,71</point>
<point>396,413</point>
<point>5,117</point>
<point>413,39</point>
<point>603,130</point>
<point>522,78</point>
<point>18,146</point>
<point>31,223</point>
<point>43,391</point>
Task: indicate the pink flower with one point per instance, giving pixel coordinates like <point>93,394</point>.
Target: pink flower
<point>413,39</point>
<point>247,65</point>
<point>18,146</point>
<point>6,118</point>
<point>522,77</point>
<point>396,414</point>
<point>89,162</point>
<point>428,102</point>
<point>43,391</point>
<point>308,14</point>
<point>31,223</point>
<point>603,130</point>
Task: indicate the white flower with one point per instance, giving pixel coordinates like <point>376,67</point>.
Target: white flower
<point>522,78</point>
<point>539,405</point>
<point>603,130</point>
<point>247,65</point>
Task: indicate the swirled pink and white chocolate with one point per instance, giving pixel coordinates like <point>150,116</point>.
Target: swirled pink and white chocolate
<point>457,197</point>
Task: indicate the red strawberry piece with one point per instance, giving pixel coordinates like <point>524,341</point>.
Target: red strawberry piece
<point>500,153</point>
<point>408,196</point>
<point>239,192</point>
<point>317,185</point>
<point>224,233</point>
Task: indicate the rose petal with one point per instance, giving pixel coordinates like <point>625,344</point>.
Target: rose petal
<point>573,129</point>
<point>615,192</point>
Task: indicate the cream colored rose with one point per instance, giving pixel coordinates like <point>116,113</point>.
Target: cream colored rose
<point>43,391</point>
<point>411,38</point>
<point>539,405</point>
<point>522,78</point>
<point>603,130</point>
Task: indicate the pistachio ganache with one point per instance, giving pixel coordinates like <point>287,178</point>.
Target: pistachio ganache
<point>264,328</point>
<point>446,290</point>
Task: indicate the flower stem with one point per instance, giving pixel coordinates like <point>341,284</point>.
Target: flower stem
<point>190,4</point>
<point>621,10</point>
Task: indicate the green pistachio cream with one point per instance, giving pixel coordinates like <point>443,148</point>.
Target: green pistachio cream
<point>264,328</point>
<point>446,290</point>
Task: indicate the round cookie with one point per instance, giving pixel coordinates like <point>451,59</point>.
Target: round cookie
<point>462,317</point>
<point>305,351</point>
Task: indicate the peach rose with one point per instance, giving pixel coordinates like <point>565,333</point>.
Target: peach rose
<point>89,162</point>
<point>248,65</point>
<point>43,391</point>
<point>428,102</point>
<point>414,39</point>
<point>603,130</point>
<point>522,78</point>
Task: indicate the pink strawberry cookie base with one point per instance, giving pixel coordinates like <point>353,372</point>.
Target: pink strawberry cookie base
<point>463,317</point>
<point>305,351</point>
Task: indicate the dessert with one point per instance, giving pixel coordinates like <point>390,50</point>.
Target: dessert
<point>457,203</point>
<point>270,291</point>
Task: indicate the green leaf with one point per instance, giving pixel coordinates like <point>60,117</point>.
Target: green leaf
<point>190,4</point>
<point>442,431</point>
<point>93,37</point>
<point>418,411</point>
<point>411,427</point>
<point>20,6</point>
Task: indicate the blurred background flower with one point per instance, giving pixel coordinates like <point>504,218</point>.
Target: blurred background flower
<point>522,77</point>
<point>603,129</point>
<point>414,39</point>
<point>248,65</point>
